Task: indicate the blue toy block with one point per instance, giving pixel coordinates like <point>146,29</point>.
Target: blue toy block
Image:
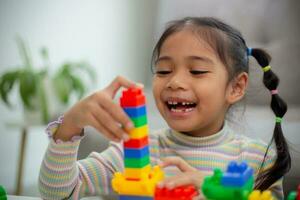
<point>132,197</point>
<point>236,174</point>
<point>136,152</point>
<point>134,112</point>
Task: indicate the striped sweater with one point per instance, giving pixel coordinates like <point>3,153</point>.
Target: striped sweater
<point>62,176</point>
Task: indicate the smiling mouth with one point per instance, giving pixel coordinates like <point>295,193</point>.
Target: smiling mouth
<point>180,106</point>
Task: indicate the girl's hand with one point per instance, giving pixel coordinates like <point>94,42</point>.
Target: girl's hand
<point>99,111</point>
<point>189,175</point>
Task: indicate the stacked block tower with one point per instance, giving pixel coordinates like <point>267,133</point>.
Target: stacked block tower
<point>139,179</point>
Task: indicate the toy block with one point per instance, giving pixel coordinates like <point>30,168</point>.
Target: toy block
<point>143,187</point>
<point>134,112</point>
<point>137,162</point>
<point>136,152</point>
<point>132,97</point>
<point>139,121</point>
<point>3,195</point>
<point>298,193</point>
<point>136,143</point>
<point>137,173</point>
<point>294,195</point>
<point>213,189</point>
<point>236,174</point>
<point>188,192</point>
<point>257,195</point>
<point>132,197</point>
<point>139,132</point>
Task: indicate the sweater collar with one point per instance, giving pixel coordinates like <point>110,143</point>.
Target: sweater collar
<point>212,140</point>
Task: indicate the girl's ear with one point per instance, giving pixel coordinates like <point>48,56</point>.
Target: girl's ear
<point>237,88</point>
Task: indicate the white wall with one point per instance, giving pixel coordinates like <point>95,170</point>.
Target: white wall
<point>115,36</point>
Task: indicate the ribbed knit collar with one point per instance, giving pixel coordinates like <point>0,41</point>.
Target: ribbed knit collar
<point>220,137</point>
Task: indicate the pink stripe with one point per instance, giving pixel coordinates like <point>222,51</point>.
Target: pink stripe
<point>62,184</point>
<point>57,169</point>
<point>57,152</point>
<point>216,154</point>
<point>88,180</point>
<point>274,92</point>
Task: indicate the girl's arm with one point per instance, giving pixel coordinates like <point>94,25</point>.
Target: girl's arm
<point>62,177</point>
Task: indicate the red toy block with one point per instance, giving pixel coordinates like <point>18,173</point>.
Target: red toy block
<point>298,193</point>
<point>187,192</point>
<point>132,97</point>
<point>136,143</point>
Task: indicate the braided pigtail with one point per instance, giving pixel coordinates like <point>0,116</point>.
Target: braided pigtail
<point>283,161</point>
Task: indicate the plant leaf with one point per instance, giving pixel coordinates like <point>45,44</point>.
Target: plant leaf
<point>28,85</point>
<point>7,82</point>
<point>62,86</point>
<point>78,86</point>
<point>41,90</point>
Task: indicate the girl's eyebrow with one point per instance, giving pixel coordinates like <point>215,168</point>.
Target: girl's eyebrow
<point>200,58</point>
<point>197,58</point>
<point>163,58</point>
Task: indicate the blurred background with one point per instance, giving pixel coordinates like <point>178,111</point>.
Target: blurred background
<point>116,37</point>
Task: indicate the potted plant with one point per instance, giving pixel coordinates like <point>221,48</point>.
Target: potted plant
<point>34,84</point>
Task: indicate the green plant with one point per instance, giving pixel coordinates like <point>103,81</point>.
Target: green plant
<point>31,81</point>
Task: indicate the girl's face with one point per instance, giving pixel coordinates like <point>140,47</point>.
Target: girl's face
<point>190,86</point>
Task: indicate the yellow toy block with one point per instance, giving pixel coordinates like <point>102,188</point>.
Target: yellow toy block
<point>137,173</point>
<point>139,132</point>
<point>143,187</point>
<point>257,195</point>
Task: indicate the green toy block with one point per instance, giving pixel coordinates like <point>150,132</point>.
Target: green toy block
<point>139,121</point>
<point>292,196</point>
<point>213,189</point>
<point>2,193</point>
<point>137,162</point>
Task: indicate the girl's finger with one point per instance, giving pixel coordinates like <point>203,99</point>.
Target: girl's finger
<point>176,181</point>
<point>98,126</point>
<point>178,162</point>
<point>117,113</point>
<point>117,83</point>
<point>109,123</point>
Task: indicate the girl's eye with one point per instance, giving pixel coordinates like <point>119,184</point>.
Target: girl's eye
<point>163,72</point>
<point>197,72</point>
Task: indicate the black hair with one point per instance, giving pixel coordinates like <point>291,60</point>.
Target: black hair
<point>232,50</point>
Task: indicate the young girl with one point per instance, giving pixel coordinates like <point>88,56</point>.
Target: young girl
<point>200,70</point>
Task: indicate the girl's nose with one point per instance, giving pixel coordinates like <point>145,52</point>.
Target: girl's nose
<point>176,83</point>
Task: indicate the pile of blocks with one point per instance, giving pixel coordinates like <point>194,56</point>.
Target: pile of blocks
<point>235,183</point>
